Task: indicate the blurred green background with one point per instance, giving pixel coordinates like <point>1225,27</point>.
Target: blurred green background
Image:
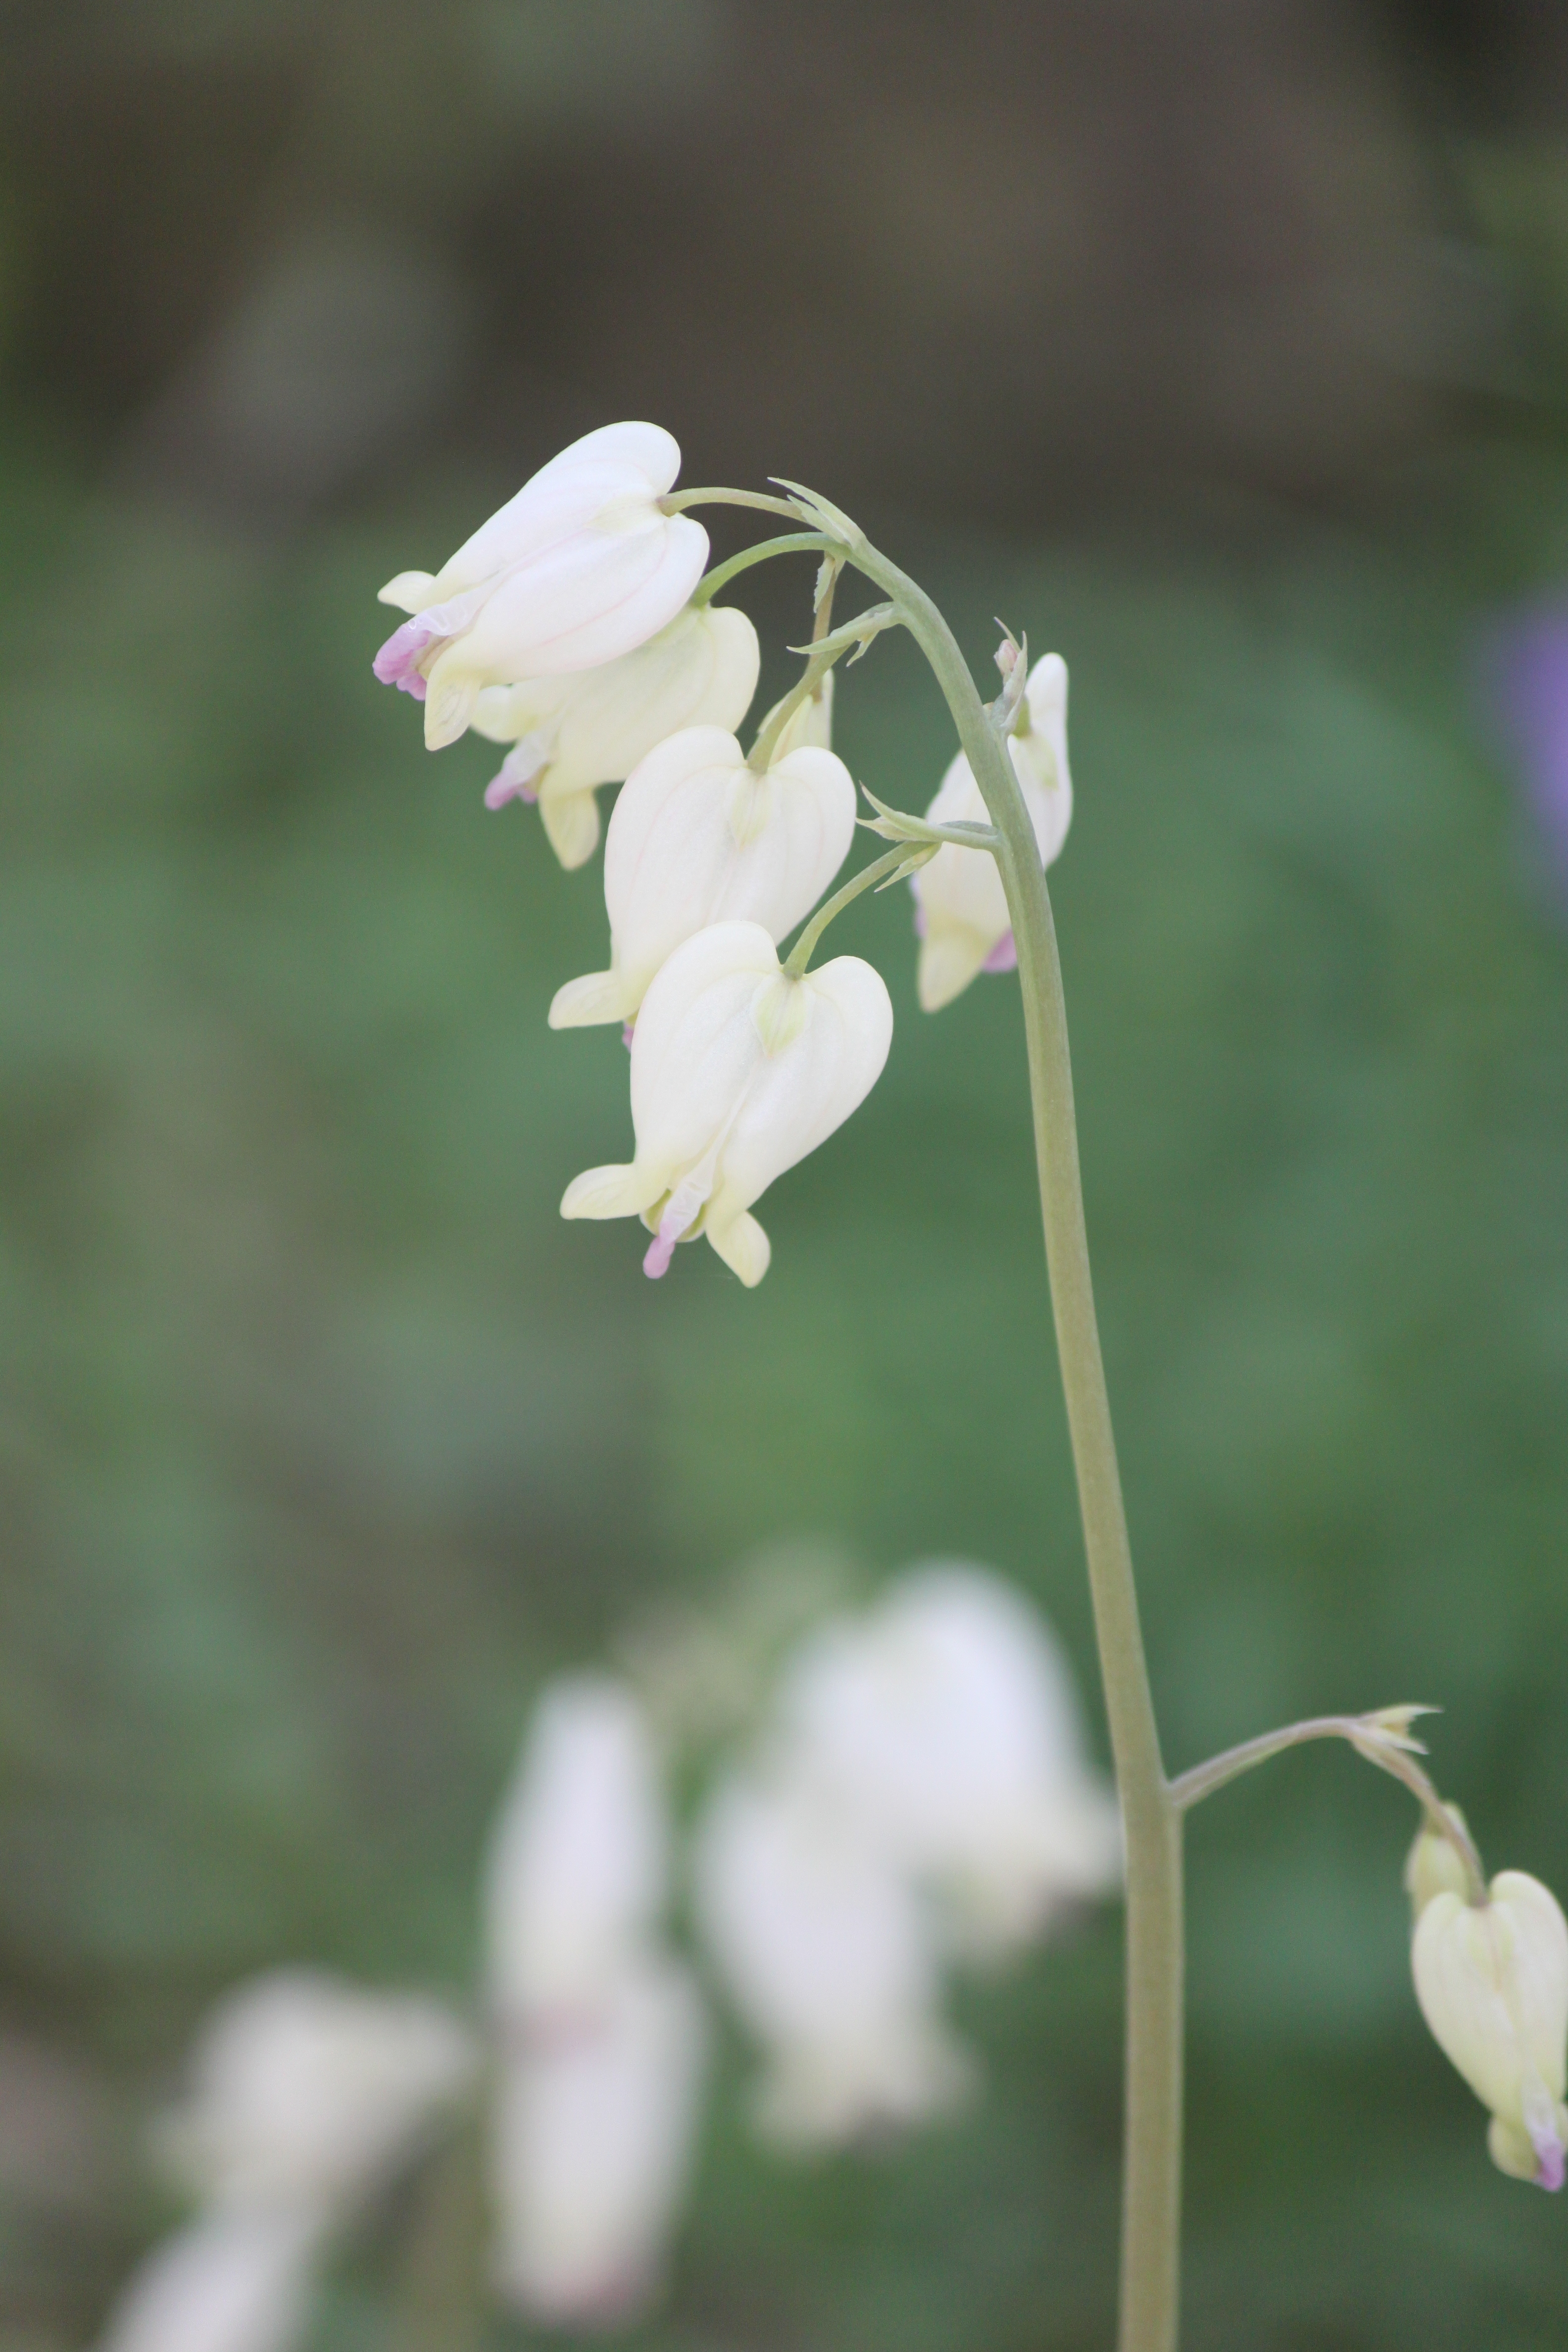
<point>1219,346</point>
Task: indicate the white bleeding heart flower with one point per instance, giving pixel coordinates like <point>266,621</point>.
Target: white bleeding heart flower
<point>570,734</point>
<point>826,1954</point>
<point>576,570</point>
<point>1492,1982</point>
<point>575,1876</point>
<point>594,2125</point>
<point>232,2283</point>
<point>946,1722</point>
<point>307,2091</point>
<point>961,908</point>
<point>738,1071</point>
<point>699,837</point>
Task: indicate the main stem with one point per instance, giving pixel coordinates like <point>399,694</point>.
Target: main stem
<point>1151,2188</point>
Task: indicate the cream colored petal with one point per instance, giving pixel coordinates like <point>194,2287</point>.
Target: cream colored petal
<point>410,591</point>
<point>951,956</point>
<point>571,821</point>
<point>742,1245</point>
<point>624,1191</point>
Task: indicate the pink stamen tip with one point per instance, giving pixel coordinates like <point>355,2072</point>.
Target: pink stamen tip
<point>1552,2172</point>
<point>396,662</point>
<point>502,788</point>
<point>921,926</point>
<point>660,1250</point>
<point>1004,956</point>
<point>628,1031</point>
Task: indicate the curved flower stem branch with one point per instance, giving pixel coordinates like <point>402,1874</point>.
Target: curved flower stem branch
<point>1380,1739</point>
<point>877,875</point>
<point>1150,2221</point>
<point>677,501</point>
<point>795,542</point>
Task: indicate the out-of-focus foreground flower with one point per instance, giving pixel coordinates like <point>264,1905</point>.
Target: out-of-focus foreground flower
<point>306,2094</point>
<point>581,566</point>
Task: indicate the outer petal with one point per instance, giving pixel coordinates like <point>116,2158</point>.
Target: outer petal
<point>803,1093</point>
<point>811,725</point>
<point>963,905</point>
<point>1540,1984</point>
<point>617,462</point>
<point>694,1049</point>
<point>576,1874</point>
<point>586,600</point>
<point>595,2124</point>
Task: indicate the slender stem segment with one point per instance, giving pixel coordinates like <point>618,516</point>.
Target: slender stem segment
<point>882,871</point>
<point>1151,2221</point>
<point>793,543</point>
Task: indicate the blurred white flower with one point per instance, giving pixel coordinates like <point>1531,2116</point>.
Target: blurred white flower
<point>594,2121</point>
<point>698,837</point>
<point>1492,1982</point>
<point>575,1877</point>
<point>961,908</point>
<point>946,1722</point>
<point>306,2092</point>
<point>738,1071</point>
<point>235,2283</point>
<point>570,734</point>
<point>826,1954</point>
<point>580,567</point>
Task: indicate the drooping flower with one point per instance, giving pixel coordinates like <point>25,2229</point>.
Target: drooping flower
<point>946,1723</point>
<point>699,837</point>
<point>1492,1982</point>
<point>570,734</point>
<point>579,568</point>
<point>738,1071</point>
<point>230,2283</point>
<point>961,907</point>
<point>305,2090</point>
<point>593,2127</point>
<point>827,1956</point>
<point>576,1870</point>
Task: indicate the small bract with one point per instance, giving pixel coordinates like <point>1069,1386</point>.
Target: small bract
<point>961,907</point>
<point>699,837</point>
<point>579,568</point>
<point>738,1071</point>
<point>1492,1982</point>
<point>570,735</point>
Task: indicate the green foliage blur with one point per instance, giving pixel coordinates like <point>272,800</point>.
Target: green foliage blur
<point>323,1440</point>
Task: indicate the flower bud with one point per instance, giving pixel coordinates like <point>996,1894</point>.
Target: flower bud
<point>580,567</point>
<point>576,1874</point>
<point>571,734</point>
<point>825,1951</point>
<point>594,2120</point>
<point>1436,1867</point>
<point>738,1071</point>
<point>1492,1982</point>
<point>698,837</point>
<point>961,907</point>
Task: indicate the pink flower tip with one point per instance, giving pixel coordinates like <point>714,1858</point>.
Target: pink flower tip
<point>628,1031</point>
<point>1004,956</point>
<point>660,1250</point>
<point>1550,2159</point>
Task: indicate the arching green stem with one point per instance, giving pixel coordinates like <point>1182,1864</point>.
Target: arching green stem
<point>1151,2222</point>
<point>793,543</point>
<point>677,501</point>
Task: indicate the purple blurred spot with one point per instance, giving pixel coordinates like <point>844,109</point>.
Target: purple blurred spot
<point>1524,678</point>
<point>1004,956</point>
